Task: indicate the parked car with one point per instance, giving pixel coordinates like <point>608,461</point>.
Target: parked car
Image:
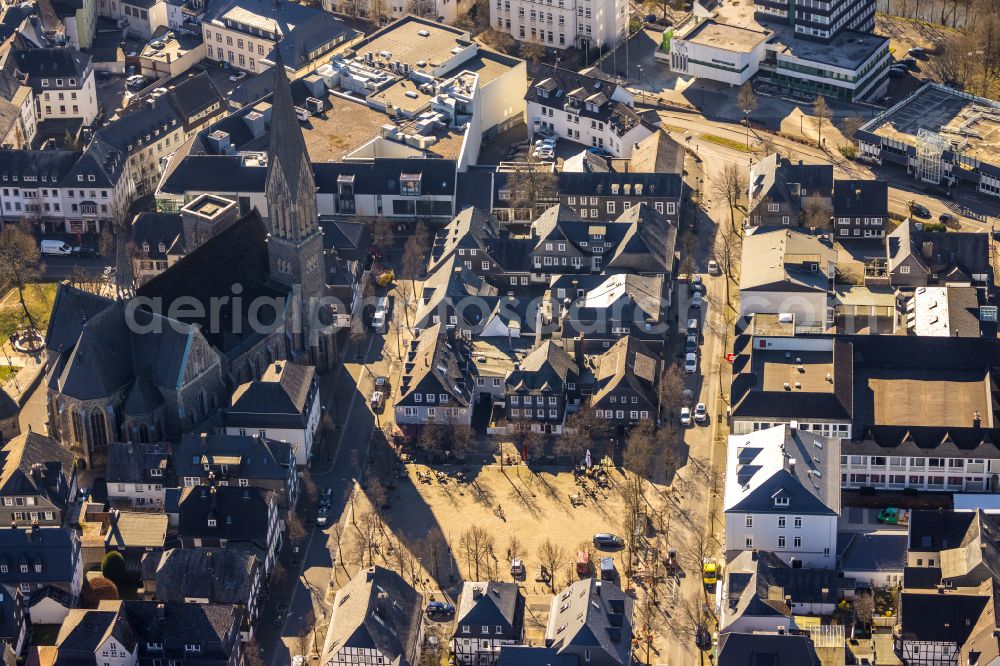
<point>946,218</point>
<point>893,516</point>
<point>55,248</point>
<point>378,401</point>
<point>236,77</point>
<point>710,572</point>
<point>607,540</point>
<point>896,72</point>
<point>700,413</point>
<point>713,267</point>
<point>381,316</point>
<point>517,568</point>
<point>685,416</point>
<point>694,326</point>
<point>690,363</point>
<point>909,63</point>
<point>439,608</point>
<point>607,568</point>
<point>918,52</point>
<point>696,285</point>
<point>86,251</point>
<point>600,152</point>
<point>135,81</point>
<point>918,209</point>
<point>691,344</point>
<point>322,515</point>
<point>697,301</point>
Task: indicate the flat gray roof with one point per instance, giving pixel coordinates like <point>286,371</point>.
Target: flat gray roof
<point>850,50</point>
<point>724,36</point>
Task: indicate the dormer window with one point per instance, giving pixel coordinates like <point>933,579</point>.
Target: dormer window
<point>161,247</point>
<point>211,522</point>
<point>409,184</point>
<point>781,500</point>
<point>156,471</point>
<point>145,247</point>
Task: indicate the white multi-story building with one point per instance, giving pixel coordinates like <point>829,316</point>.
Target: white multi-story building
<point>560,24</point>
<point>244,33</point>
<point>783,495</point>
<point>588,110</point>
<point>62,80</point>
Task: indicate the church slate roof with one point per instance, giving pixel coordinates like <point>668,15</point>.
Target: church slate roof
<point>70,311</point>
<point>287,150</point>
<point>236,255</point>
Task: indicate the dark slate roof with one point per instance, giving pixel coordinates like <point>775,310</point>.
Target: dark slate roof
<point>103,160</point>
<point>546,369</point>
<point>12,616</point>
<point>921,578</point>
<point>523,655</point>
<point>194,96</point>
<point>153,229</point>
<point>763,470</point>
<point>282,391</point>
<point>70,311</point>
<point>51,62</point>
<point>247,457</point>
<point>351,240</point>
<point>201,624</point>
<point>83,631</point>
<point>658,185</point>
<point>871,552</point>
<point>594,615</point>
<point>287,152</point>
<point>220,173</point>
<point>861,198</point>
<point>381,175</point>
<point>475,188</point>
<point>564,83</point>
<point>630,362</point>
<point>939,617</point>
<point>238,253</point>
<point>377,610</point>
<point>648,245</point>
<point>934,531</point>
<point>782,181</point>
<point>491,603</point>
<point>131,462</point>
<point>884,440</point>
<point>32,464</point>
<point>46,166</point>
<point>658,153</point>
<point>967,251</point>
<point>143,397</point>
<point>737,649</point>
<point>436,364</point>
<point>223,576</point>
<point>241,514</point>
<point>55,548</point>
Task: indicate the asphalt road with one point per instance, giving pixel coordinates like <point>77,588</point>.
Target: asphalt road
<point>62,268</point>
<point>345,394</point>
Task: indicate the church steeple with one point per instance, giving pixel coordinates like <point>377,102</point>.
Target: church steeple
<point>290,186</point>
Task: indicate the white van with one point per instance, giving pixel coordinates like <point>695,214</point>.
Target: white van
<point>56,248</point>
<point>381,316</point>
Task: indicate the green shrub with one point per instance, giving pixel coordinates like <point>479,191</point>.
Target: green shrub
<point>113,567</point>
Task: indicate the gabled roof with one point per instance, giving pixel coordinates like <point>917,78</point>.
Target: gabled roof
<point>469,229</point>
<point>736,649</point>
<point>84,631</point>
<point>782,181</point>
<point>283,390</point>
<point>947,618</point>
<point>782,259</point>
<point>628,361</point>
<point>547,369</point>
<point>948,442</point>
<point>54,548</point>
<point>246,457</point>
<point>220,575</point>
<point>212,626</point>
<point>70,311</point>
<point>131,462</point>
<point>442,358</point>
<point>876,552</point>
<point>778,462</point>
<point>594,615</point>
<point>648,245</point>
<point>657,153</point>
<point>51,62</point>
<point>938,252</point>
<point>861,198</point>
<point>153,229</point>
<point>30,464</point>
<point>489,603</point>
<point>240,514</point>
<point>376,610</point>
<point>133,529</point>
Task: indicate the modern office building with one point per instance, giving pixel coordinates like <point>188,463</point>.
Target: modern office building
<point>563,23</point>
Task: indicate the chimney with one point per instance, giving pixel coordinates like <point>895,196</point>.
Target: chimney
<point>161,611</point>
<point>597,588</point>
<point>977,420</point>
<point>204,441</point>
<point>477,592</point>
<point>370,575</point>
<point>791,465</point>
<point>927,249</point>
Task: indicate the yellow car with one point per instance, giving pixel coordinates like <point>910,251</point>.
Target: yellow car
<point>710,572</point>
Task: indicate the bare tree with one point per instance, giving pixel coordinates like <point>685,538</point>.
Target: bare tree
<point>730,186</point>
<point>954,65</point>
<point>852,124</point>
<point>499,41</point>
<point>746,100</point>
<point>515,549</point>
<point>434,548</point>
<point>381,230</point>
<point>640,447</point>
<point>531,187</point>
<point>817,212</point>
<point>671,389</point>
<point>728,253</point>
<point>822,113</point>
<point>476,544</point>
<point>532,51</point>
<point>583,431</point>
<point>415,252</point>
<point>864,607</point>
<point>300,643</point>
<point>19,264</point>
<point>552,556</point>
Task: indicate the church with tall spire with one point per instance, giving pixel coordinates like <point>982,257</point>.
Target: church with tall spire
<point>295,244</point>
